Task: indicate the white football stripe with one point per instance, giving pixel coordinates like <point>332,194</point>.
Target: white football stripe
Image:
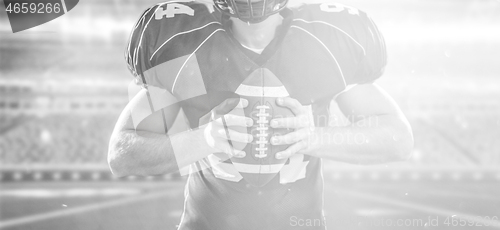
<point>257,91</point>
<point>258,169</point>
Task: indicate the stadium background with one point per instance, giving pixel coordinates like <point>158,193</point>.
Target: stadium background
<point>63,84</point>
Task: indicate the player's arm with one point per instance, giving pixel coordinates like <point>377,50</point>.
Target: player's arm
<point>379,132</point>
<point>147,149</point>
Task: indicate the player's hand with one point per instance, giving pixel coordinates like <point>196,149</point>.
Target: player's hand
<point>218,133</point>
<point>303,125</point>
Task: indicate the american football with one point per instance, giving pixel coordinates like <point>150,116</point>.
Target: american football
<point>261,88</point>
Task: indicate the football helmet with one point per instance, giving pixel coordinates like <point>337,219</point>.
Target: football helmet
<point>252,11</point>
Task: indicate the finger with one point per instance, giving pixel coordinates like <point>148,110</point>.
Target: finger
<point>229,104</point>
<point>242,104</point>
<point>291,138</point>
<point>284,122</point>
<point>225,107</point>
<point>291,103</point>
<point>234,120</point>
<point>220,144</point>
<point>237,154</point>
<point>291,122</point>
<point>231,135</point>
<point>224,146</point>
<point>290,150</point>
<point>231,152</point>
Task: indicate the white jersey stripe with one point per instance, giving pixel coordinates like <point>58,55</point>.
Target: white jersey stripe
<point>141,20</point>
<point>144,30</point>
<point>64,6</point>
<point>133,55</point>
<point>331,54</point>
<point>181,33</point>
<point>328,24</point>
<point>197,48</point>
<point>142,35</point>
<point>131,34</point>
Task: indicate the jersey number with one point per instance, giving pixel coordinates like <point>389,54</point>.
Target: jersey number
<point>332,7</point>
<point>173,9</point>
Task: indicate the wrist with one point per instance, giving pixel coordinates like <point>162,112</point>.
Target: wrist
<point>199,141</point>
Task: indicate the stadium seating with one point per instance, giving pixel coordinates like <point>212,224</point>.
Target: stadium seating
<point>57,139</point>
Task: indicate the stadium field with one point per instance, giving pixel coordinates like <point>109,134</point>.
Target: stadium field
<point>104,205</point>
<point>370,203</point>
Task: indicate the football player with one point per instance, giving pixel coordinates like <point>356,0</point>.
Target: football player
<point>192,56</point>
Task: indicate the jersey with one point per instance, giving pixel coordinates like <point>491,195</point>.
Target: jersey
<point>319,51</point>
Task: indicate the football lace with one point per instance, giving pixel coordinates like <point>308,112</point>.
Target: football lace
<point>263,127</point>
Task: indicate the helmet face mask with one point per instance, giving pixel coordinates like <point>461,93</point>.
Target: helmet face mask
<point>250,11</point>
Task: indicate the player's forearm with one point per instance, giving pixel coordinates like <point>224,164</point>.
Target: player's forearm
<point>377,139</point>
<point>147,153</point>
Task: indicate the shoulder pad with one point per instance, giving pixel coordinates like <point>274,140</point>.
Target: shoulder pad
<point>353,27</point>
<point>159,25</point>
<point>329,12</point>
